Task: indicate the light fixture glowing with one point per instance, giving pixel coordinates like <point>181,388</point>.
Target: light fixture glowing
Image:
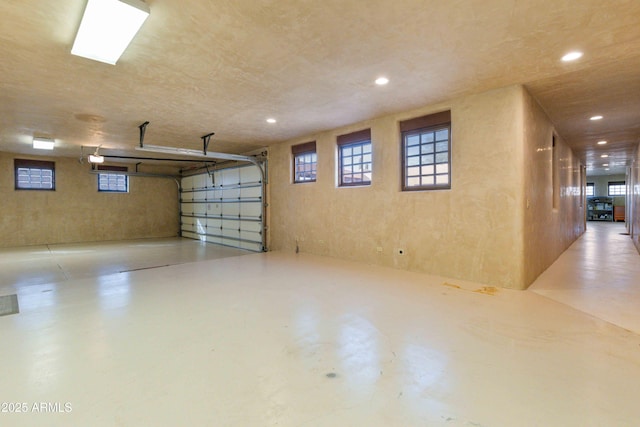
<point>594,118</point>
<point>43,143</point>
<point>107,28</point>
<point>605,164</point>
<point>271,120</point>
<point>572,56</point>
<point>604,156</point>
<point>602,142</point>
<point>96,157</point>
<point>381,81</point>
<point>606,169</point>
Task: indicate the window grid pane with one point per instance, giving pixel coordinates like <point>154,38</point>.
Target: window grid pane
<point>117,183</point>
<point>35,178</point>
<point>427,158</point>
<point>355,163</point>
<point>590,189</point>
<point>617,189</point>
<point>305,167</point>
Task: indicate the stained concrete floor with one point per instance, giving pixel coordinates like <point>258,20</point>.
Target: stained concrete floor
<point>299,340</point>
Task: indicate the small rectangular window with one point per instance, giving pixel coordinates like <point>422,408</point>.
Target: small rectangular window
<point>113,182</point>
<point>590,189</point>
<point>305,162</point>
<point>34,175</point>
<point>617,188</point>
<point>426,152</point>
<point>355,158</point>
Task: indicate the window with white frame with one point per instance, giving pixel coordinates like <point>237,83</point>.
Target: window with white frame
<point>426,152</point>
<point>355,158</point>
<point>591,189</point>
<point>34,175</point>
<point>305,162</point>
<point>111,181</point>
<point>617,188</point>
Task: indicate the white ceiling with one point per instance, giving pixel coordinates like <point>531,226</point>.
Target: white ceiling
<point>225,66</point>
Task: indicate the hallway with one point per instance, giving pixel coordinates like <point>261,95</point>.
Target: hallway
<point>599,275</point>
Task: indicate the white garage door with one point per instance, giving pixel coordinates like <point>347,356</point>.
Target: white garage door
<point>224,207</point>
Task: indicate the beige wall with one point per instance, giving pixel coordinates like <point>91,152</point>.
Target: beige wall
<point>76,212</point>
<point>468,232</point>
<point>548,229</point>
<point>634,221</point>
<point>475,231</point>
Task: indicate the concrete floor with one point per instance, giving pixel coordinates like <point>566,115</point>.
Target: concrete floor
<point>297,340</point>
<point>599,274</point>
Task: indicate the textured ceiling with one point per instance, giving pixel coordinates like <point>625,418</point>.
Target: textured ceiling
<point>200,66</point>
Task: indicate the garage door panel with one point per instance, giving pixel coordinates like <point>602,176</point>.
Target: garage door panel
<point>225,208</point>
<point>199,208</point>
<point>250,174</point>
<point>230,176</point>
<point>253,210</point>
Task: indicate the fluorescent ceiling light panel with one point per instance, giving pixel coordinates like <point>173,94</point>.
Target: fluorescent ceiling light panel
<point>96,158</point>
<point>107,28</point>
<point>43,143</point>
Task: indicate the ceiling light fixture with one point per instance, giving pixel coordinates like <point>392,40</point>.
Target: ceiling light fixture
<point>96,157</point>
<point>107,28</point>
<point>604,156</point>
<point>572,56</point>
<point>594,118</point>
<point>43,143</point>
<point>602,142</point>
<point>271,120</point>
<point>605,164</point>
<point>381,81</point>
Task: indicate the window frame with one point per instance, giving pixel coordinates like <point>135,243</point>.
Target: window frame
<point>593,189</point>
<point>420,125</point>
<point>352,140</point>
<point>34,164</point>
<point>622,184</point>
<point>113,169</point>
<point>301,150</point>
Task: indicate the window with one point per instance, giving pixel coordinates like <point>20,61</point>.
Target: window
<point>34,175</point>
<point>617,188</point>
<point>354,158</point>
<point>426,152</point>
<point>113,182</point>
<point>305,162</point>
<point>590,189</point>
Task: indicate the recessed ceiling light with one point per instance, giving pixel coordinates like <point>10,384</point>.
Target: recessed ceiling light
<point>605,164</point>
<point>602,142</point>
<point>381,81</point>
<point>572,56</point>
<point>271,120</point>
<point>43,143</point>
<point>596,118</point>
<point>604,156</point>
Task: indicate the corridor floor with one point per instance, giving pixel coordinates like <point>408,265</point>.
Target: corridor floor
<point>599,274</point>
<point>284,339</point>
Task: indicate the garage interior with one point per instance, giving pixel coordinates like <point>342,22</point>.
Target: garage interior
<point>199,274</point>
